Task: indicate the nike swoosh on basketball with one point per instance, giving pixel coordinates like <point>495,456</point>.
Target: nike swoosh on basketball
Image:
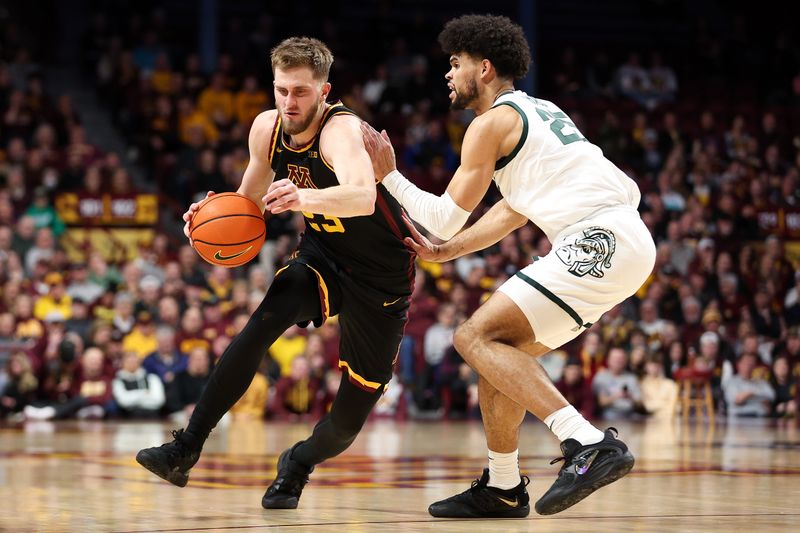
<point>219,257</point>
<point>387,304</point>
<point>510,503</point>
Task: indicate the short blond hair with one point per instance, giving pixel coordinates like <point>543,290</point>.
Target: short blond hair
<point>303,52</point>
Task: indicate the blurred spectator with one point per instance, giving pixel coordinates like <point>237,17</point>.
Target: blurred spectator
<point>191,334</point>
<point>459,387</point>
<point>692,327</point>
<point>147,52</point>
<point>616,389</point>
<point>600,75</point>
<point>432,144</point>
<point>43,249</point>
<point>766,321</point>
<point>287,348</point>
<point>569,76</point>
<point>101,274</point>
<point>8,340</point>
<point>169,312</point>
<point>663,83</point>
<point>80,286</point>
<point>55,301</point>
<point>746,396</point>
<point>375,86</point>
<point>216,101</point>
<point>675,359</point>
<point>190,270</point>
<point>250,101</point>
<point>651,324</point>
<point>591,354</point>
<point>20,386</point>
<point>790,349</point>
<point>142,339</point>
<point>659,394</point>
<point>638,360</point>
<point>784,383</point>
<point>43,214</point>
<point>576,388</point>
<point>166,361</point>
<point>138,394</point>
<point>90,397</point>
<point>79,321</point>
<point>327,394</point>
<point>124,319</point>
<point>632,80</point>
<point>438,338</point>
<point>681,252</point>
<point>296,392</point>
<point>185,389</point>
<point>149,294</point>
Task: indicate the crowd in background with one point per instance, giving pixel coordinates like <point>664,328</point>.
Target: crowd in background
<point>90,337</point>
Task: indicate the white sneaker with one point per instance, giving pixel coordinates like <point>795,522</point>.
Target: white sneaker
<point>39,413</point>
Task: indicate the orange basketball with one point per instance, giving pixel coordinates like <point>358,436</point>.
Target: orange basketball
<point>228,229</point>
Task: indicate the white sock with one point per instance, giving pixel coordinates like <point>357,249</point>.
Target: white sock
<point>568,423</point>
<point>504,469</point>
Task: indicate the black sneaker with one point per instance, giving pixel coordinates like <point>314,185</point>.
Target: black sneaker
<point>284,493</point>
<point>586,469</point>
<point>171,461</point>
<point>483,501</point>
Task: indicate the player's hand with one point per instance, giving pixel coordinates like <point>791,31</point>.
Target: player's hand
<point>188,215</point>
<point>380,151</point>
<point>282,195</point>
<point>424,248</point>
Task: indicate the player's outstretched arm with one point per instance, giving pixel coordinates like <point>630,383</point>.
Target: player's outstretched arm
<point>259,174</point>
<point>495,224</point>
<point>444,215</point>
<point>342,148</point>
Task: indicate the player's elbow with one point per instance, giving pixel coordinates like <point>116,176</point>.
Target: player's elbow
<point>368,196</point>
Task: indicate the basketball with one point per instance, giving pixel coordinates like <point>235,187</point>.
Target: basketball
<point>228,229</point>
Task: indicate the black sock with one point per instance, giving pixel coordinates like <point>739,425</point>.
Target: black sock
<point>292,298</point>
<point>339,428</point>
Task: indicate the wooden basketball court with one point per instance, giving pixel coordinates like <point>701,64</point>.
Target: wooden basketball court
<point>81,476</point>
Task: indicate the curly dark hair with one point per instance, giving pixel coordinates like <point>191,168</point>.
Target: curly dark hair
<point>491,37</point>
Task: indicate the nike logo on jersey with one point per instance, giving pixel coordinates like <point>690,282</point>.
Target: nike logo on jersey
<point>219,257</point>
<point>387,304</point>
<point>510,503</point>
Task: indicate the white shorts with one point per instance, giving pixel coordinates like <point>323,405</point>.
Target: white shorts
<point>593,265</point>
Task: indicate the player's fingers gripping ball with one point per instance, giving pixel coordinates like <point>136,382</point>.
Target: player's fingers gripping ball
<point>228,229</point>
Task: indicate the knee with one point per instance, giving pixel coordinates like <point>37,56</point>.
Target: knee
<point>466,339</point>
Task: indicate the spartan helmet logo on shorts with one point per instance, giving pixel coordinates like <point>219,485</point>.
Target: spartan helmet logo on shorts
<point>590,253</point>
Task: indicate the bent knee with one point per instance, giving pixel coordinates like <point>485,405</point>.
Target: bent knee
<point>466,338</point>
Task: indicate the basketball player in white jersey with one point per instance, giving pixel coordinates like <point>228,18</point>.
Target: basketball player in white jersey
<point>602,252</point>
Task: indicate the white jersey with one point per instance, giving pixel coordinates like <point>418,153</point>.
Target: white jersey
<point>554,176</point>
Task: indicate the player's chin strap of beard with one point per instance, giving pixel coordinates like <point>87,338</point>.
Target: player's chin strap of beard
<point>438,214</point>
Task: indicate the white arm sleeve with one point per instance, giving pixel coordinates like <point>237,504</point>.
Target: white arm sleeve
<point>438,214</point>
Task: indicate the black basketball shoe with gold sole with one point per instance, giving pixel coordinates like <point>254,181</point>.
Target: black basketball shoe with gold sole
<point>483,501</point>
<point>586,469</point>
